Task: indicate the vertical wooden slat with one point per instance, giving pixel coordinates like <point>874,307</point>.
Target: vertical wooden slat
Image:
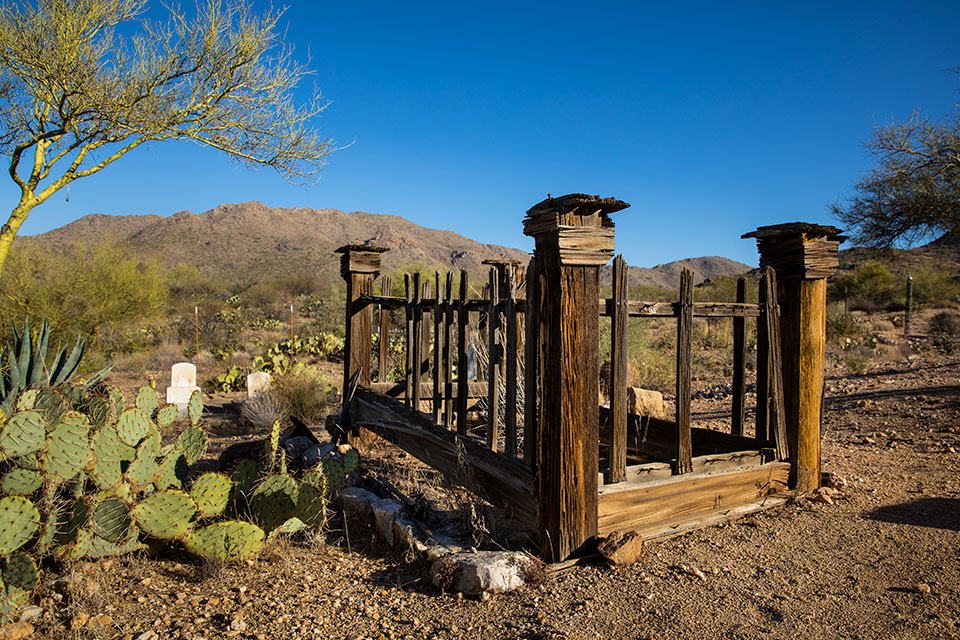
<point>618,365</point>
<point>531,365</point>
<point>778,425</point>
<point>417,342</point>
<point>408,308</point>
<point>483,325</point>
<point>510,408</point>
<point>493,364</point>
<point>437,349</point>
<point>448,354</point>
<point>739,363</point>
<point>761,430</point>
<point>425,331</point>
<point>684,373</point>
<point>384,331</point>
<point>463,322</point>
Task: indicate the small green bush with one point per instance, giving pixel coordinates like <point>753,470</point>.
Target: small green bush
<point>308,392</point>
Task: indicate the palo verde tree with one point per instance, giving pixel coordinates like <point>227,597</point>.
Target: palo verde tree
<point>914,191</point>
<point>84,82</point>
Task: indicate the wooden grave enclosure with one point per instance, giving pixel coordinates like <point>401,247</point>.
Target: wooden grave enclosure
<point>529,434</point>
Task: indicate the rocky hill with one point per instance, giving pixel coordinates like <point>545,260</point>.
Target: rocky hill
<point>250,241</point>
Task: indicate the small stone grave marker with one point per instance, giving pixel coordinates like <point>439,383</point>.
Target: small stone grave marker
<point>257,383</point>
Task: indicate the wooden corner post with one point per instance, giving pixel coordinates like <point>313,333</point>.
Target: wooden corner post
<point>574,238</point>
<point>803,256</point>
<point>359,266</point>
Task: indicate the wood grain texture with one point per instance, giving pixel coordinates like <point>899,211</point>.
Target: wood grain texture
<point>739,364</point>
<point>690,496</point>
<point>684,450</point>
<point>506,483</point>
<point>493,363</point>
<point>408,342</point>
<point>511,353</point>
<point>531,367</point>
<point>642,309</point>
<point>448,353</point>
<point>417,342</point>
<point>777,424</point>
<point>384,339</point>
<point>762,417</point>
<point>618,365</point>
<point>437,403</point>
<point>463,324</point>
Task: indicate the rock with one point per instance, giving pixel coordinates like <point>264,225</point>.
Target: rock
<point>31,613</point>
<point>621,548</point>
<point>79,620</point>
<point>921,587</point>
<point>485,571</point>
<point>645,402</point>
<point>102,620</point>
<point>16,630</point>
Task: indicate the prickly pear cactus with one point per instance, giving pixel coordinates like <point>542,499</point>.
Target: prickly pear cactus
<point>26,400</point>
<point>210,492</point>
<point>21,482</point>
<point>274,501</point>
<point>133,425</point>
<point>22,433</point>
<point>109,455</point>
<point>166,415</point>
<point>146,400</point>
<point>334,473</point>
<point>172,472</point>
<point>20,577</point>
<point>195,408</point>
<point>111,520</point>
<point>19,520</point>
<point>165,514</point>
<point>231,540</point>
<point>192,442</point>
<point>350,460</point>
<point>68,448</point>
<point>312,499</point>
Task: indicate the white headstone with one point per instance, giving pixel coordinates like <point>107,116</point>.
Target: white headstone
<point>183,382</point>
<point>257,383</point>
<point>183,374</point>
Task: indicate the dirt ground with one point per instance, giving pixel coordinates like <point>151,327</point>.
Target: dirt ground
<point>881,561</point>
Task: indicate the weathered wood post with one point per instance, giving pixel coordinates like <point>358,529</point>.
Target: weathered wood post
<point>803,256</point>
<point>574,238</point>
<point>359,266</point>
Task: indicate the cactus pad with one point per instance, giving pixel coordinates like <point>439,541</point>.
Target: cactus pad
<point>192,442</point>
<point>110,520</point>
<point>133,425</point>
<point>166,415</point>
<point>21,482</point>
<point>173,471</point>
<point>165,514</point>
<point>90,545</point>
<point>52,404</point>
<point>117,400</point>
<point>20,577</point>
<point>100,410</point>
<point>68,448</point>
<point>334,474</point>
<point>229,541</point>
<point>26,400</point>
<point>274,501</point>
<point>109,453</point>
<point>312,504</point>
<point>74,519</point>
<point>19,520</point>
<point>22,433</point>
<point>144,467</point>
<point>211,491</point>
<point>350,460</point>
<point>195,408</point>
<point>146,400</point>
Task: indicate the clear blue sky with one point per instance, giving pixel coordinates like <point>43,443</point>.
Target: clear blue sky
<point>709,118</point>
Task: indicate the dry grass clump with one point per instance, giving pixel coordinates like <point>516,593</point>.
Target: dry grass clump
<point>260,412</point>
<point>309,394</point>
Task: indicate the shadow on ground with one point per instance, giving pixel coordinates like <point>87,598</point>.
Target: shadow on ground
<point>941,513</point>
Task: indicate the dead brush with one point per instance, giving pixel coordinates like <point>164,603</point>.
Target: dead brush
<point>260,412</point>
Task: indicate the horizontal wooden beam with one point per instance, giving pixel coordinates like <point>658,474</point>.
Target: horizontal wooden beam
<point>642,309</point>
<point>507,484</point>
<point>394,302</point>
<point>398,389</point>
<point>693,498</point>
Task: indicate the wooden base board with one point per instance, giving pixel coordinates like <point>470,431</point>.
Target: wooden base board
<point>691,500</point>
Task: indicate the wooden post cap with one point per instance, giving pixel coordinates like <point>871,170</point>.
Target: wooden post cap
<point>360,258</point>
<point>581,224</point>
<point>798,249</point>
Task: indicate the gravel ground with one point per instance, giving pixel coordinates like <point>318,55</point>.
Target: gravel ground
<point>881,559</point>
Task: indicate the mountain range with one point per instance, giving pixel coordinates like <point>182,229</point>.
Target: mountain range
<point>251,241</point>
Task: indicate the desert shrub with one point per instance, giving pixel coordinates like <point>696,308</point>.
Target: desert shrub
<point>869,288</point>
<point>841,326</point>
<point>933,287</point>
<point>857,359</point>
<point>945,329</point>
<point>724,289</point>
<point>82,287</point>
<point>260,412</point>
<point>309,393</point>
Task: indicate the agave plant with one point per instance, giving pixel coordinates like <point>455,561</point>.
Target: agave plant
<point>25,366</point>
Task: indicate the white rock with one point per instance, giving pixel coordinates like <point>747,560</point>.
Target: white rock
<point>644,402</point>
<point>485,571</point>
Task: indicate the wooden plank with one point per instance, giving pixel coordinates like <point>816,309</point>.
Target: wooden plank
<point>437,350</point>
<point>448,354</point>
<point>679,526</point>
<point>384,332</point>
<point>684,451</point>
<point>618,361</point>
<point>510,352</point>
<point>505,483</point>
<point>474,390</point>
<point>493,364</point>
<point>531,366</point>
<point>644,309</point>
<point>690,496</point>
<point>463,323</point>
<point>739,364</point>
<point>762,418</point>
<point>777,410</point>
<point>417,342</point>
<point>640,474</point>
<point>408,373</point>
